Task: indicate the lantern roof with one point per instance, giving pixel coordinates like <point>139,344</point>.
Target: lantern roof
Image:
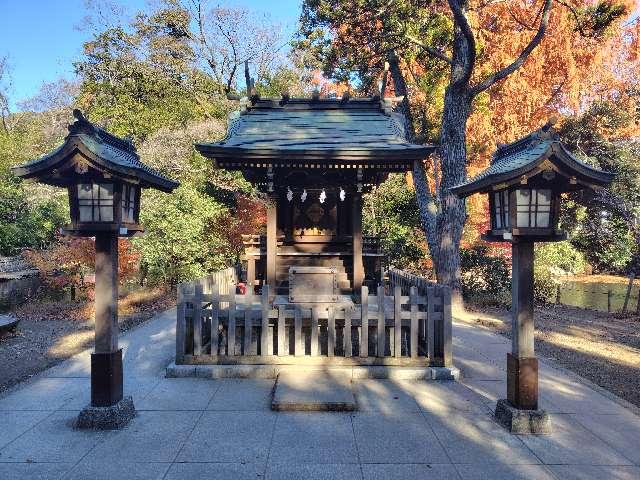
<point>530,155</point>
<point>102,150</point>
<point>358,130</point>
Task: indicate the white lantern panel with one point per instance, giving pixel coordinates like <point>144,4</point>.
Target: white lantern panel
<point>523,197</point>
<point>86,213</point>
<point>85,191</point>
<point>106,213</point>
<point>95,202</point>
<point>497,205</point>
<point>128,203</point>
<point>106,190</point>
<point>522,219</point>
<point>501,210</point>
<point>544,197</point>
<point>533,208</point>
<point>542,219</point>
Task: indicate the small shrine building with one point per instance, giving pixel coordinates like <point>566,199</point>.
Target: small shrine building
<point>314,158</point>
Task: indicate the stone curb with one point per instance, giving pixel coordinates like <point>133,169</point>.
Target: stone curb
<point>272,371</point>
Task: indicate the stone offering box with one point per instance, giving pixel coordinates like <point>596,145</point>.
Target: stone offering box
<point>313,284</point>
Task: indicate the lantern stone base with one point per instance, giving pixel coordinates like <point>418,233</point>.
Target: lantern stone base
<point>112,417</point>
<point>519,421</point>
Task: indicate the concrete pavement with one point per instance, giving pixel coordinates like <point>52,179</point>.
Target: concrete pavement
<point>224,429</point>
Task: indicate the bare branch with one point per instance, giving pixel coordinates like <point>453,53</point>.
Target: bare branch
<point>226,37</point>
<point>517,63</point>
<point>520,22</point>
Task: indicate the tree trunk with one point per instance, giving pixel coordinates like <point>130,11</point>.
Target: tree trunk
<point>443,223</point>
<point>453,154</point>
<point>426,205</point>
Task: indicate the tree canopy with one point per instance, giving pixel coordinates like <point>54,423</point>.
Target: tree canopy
<point>472,74</point>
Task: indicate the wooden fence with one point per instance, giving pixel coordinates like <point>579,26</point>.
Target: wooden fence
<point>409,326</point>
<point>442,328</point>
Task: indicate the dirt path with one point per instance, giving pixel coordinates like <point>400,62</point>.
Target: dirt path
<point>52,331</point>
<point>601,347</point>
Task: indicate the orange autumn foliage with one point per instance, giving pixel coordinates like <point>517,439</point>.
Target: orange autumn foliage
<point>70,260</point>
<point>249,218</point>
<point>564,75</point>
<point>326,87</point>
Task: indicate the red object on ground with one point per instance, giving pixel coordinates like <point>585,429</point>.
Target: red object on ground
<point>241,288</point>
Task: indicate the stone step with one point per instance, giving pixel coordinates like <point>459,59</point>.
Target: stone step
<point>313,392</point>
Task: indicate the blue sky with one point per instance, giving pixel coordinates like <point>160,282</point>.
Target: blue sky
<point>41,38</point>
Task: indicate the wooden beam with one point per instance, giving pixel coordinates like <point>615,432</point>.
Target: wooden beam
<point>272,245</point>
<point>356,232</point>
<point>522,299</point>
<point>522,366</point>
<point>106,316</point>
<point>364,321</point>
<point>106,361</point>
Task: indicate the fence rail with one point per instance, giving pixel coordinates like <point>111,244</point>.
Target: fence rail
<point>410,326</point>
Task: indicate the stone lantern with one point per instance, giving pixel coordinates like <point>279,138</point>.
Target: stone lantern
<point>103,176</point>
<point>524,182</point>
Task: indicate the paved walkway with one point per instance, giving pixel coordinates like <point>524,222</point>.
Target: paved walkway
<point>223,429</point>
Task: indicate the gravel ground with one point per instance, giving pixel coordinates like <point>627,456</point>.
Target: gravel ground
<point>52,331</point>
<point>602,347</point>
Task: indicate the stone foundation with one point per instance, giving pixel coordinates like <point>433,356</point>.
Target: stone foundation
<point>272,371</point>
<point>112,417</point>
<point>522,421</point>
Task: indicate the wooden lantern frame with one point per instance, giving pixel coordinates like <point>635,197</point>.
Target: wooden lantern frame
<point>92,156</point>
<point>538,161</point>
<point>125,224</point>
<point>510,227</point>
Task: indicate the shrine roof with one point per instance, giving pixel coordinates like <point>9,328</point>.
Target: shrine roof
<point>523,156</point>
<point>114,154</point>
<point>314,128</point>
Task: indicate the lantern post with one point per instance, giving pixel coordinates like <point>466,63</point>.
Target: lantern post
<point>103,176</point>
<point>525,182</point>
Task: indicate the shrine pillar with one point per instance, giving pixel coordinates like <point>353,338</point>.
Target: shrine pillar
<point>356,232</point>
<point>272,241</point>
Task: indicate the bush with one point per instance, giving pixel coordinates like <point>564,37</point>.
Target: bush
<point>552,261</point>
<point>485,278</point>
<point>607,241</point>
<point>390,211</point>
<point>181,241</point>
<point>561,258</point>
<point>24,224</point>
<point>65,264</point>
